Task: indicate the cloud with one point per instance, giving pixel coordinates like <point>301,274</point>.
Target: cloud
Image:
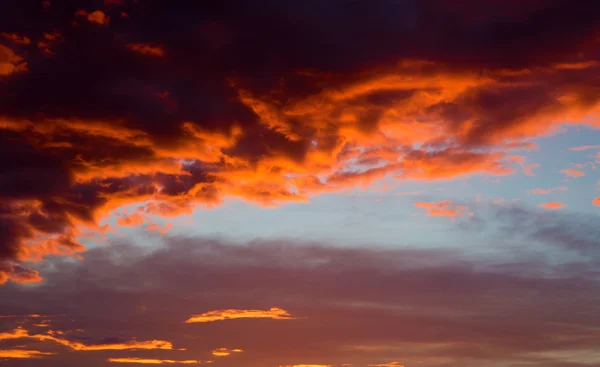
<point>527,168</point>
<point>596,201</point>
<point>553,205</point>
<point>18,274</point>
<point>22,353</point>
<point>144,49</point>
<point>96,16</point>
<point>151,361</point>
<point>21,333</point>
<point>538,191</point>
<point>96,126</point>
<point>16,38</point>
<point>444,208</point>
<point>274,313</point>
<point>10,62</point>
<point>573,173</point>
<point>223,352</point>
<point>390,364</point>
<point>346,302</point>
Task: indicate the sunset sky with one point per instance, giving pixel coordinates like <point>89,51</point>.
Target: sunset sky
<point>300,183</point>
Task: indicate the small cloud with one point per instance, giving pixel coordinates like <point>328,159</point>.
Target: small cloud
<point>130,220</point>
<point>274,313</point>
<point>15,38</point>
<point>151,361</point>
<point>596,201</point>
<point>22,353</point>
<point>146,49</point>
<point>444,208</point>
<point>96,17</point>
<point>553,205</point>
<point>527,168</point>
<point>538,191</point>
<point>223,352</point>
<point>573,173</point>
<point>390,364</point>
<point>10,62</point>
<point>162,230</point>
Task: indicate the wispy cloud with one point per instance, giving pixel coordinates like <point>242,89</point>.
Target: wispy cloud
<point>151,361</point>
<point>274,313</point>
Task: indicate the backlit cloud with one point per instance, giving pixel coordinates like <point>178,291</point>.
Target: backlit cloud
<point>390,364</point>
<point>151,361</point>
<point>223,352</point>
<point>274,313</point>
<point>21,333</point>
<point>596,201</point>
<point>22,353</point>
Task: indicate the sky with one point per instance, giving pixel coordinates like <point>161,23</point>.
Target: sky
<point>303,183</point>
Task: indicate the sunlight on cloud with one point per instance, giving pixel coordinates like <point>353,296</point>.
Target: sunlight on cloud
<point>223,352</point>
<point>22,353</point>
<point>274,313</point>
<point>151,361</point>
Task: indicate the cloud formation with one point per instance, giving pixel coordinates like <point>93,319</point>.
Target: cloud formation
<point>221,115</point>
<point>151,361</point>
<point>274,313</point>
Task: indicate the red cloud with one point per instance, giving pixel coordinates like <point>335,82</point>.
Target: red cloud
<point>553,205</point>
<point>16,38</point>
<point>96,16</point>
<point>10,62</point>
<point>146,49</point>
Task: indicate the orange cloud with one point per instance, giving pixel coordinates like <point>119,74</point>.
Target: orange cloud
<point>538,191</point>
<point>573,173</point>
<point>151,361</point>
<point>527,168</point>
<point>223,352</point>
<point>22,353</point>
<point>16,38</point>
<point>444,208</point>
<point>21,333</point>
<point>96,17</point>
<point>306,365</point>
<point>164,229</point>
<point>596,201</point>
<point>390,364</point>
<point>130,220</point>
<point>146,49</point>
<point>274,313</point>
<point>553,205</point>
<point>10,62</point>
<point>18,274</point>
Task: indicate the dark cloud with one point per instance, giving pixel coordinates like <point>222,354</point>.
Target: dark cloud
<point>255,100</point>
